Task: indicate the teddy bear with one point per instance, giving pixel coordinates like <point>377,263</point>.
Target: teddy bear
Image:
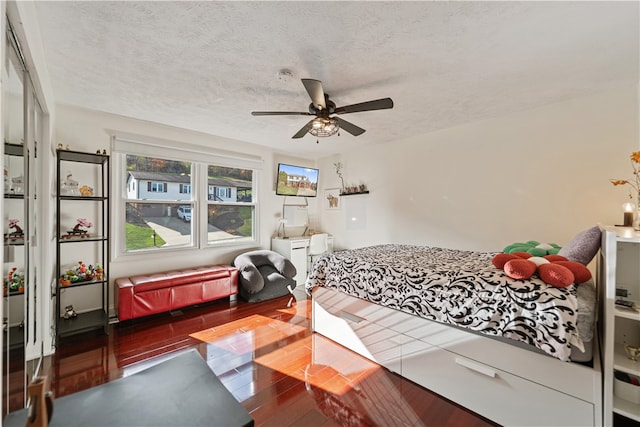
<point>70,312</point>
<point>520,261</point>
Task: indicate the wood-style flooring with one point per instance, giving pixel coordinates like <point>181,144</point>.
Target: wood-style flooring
<point>268,358</point>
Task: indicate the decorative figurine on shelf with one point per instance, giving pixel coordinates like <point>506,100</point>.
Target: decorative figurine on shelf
<point>81,272</point>
<point>69,187</point>
<point>7,186</point>
<point>70,312</point>
<point>78,231</point>
<point>15,281</point>
<point>82,223</point>
<point>17,184</point>
<point>18,233</point>
<point>633,352</point>
<point>86,191</point>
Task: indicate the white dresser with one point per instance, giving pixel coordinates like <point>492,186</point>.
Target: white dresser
<point>296,249</point>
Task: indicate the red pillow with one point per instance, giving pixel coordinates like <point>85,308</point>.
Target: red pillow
<point>580,273</point>
<point>555,275</point>
<point>524,255</point>
<point>555,258</point>
<point>519,269</point>
<point>501,259</point>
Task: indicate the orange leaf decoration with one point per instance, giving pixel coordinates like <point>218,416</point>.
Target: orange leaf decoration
<point>635,183</point>
<point>619,181</point>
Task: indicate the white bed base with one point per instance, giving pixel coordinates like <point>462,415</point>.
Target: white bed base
<point>505,383</point>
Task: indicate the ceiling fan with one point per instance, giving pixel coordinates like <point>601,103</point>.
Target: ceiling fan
<point>324,124</point>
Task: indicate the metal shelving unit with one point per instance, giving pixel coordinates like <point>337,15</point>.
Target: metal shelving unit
<point>98,318</point>
<point>14,335</point>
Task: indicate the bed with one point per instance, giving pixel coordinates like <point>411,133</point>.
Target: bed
<point>453,323</point>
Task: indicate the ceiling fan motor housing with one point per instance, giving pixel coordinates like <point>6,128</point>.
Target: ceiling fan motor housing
<point>331,108</point>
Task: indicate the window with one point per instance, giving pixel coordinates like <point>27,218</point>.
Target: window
<point>153,218</point>
<point>174,197</point>
<point>156,187</point>
<point>230,210</point>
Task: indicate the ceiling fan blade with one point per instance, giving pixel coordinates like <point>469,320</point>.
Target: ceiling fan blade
<point>349,127</point>
<point>315,91</point>
<point>280,113</point>
<point>378,104</point>
<point>302,132</point>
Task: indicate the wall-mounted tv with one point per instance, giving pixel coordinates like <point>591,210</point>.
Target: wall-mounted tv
<point>296,181</point>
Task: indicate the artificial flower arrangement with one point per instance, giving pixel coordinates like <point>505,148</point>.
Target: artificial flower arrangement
<point>81,272</point>
<point>634,184</point>
<point>14,282</point>
<point>339,167</point>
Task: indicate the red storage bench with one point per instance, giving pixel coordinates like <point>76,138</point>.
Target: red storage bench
<point>147,294</point>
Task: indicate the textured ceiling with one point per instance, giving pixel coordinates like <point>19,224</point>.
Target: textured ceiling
<point>206,65</point>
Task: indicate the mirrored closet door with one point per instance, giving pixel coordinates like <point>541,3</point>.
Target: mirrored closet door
<point>21,119</point>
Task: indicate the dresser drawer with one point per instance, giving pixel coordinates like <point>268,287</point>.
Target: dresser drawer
<point>297,244</point>
<point>505,398</point>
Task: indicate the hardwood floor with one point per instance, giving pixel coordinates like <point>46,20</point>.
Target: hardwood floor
<point>267,357</point>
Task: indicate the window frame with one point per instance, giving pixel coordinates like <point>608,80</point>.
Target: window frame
<point>207,202</point>
<point>200,158</point>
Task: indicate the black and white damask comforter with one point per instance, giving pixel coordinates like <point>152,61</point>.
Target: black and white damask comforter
<point>461,288</point>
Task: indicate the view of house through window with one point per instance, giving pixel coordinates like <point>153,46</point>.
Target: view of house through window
<point>155,205</point>
<point>231,207</point>
<point>161,209</point>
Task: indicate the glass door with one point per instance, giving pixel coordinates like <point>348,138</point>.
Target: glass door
<point>15,225</point>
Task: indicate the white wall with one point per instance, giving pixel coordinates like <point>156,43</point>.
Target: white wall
<point>541,174</point>
<point>536,175</point>
<point>89,131</point>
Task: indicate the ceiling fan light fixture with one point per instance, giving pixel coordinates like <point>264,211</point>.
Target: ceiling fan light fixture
<point>324,126</point>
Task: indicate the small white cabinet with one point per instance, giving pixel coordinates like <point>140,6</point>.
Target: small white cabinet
<point>296,249</point>
<point>619,272</point>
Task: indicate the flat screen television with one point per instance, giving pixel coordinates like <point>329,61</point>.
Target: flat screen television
<point>296,181</point>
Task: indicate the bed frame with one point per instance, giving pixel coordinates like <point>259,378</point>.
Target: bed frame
<point>506,383</point>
